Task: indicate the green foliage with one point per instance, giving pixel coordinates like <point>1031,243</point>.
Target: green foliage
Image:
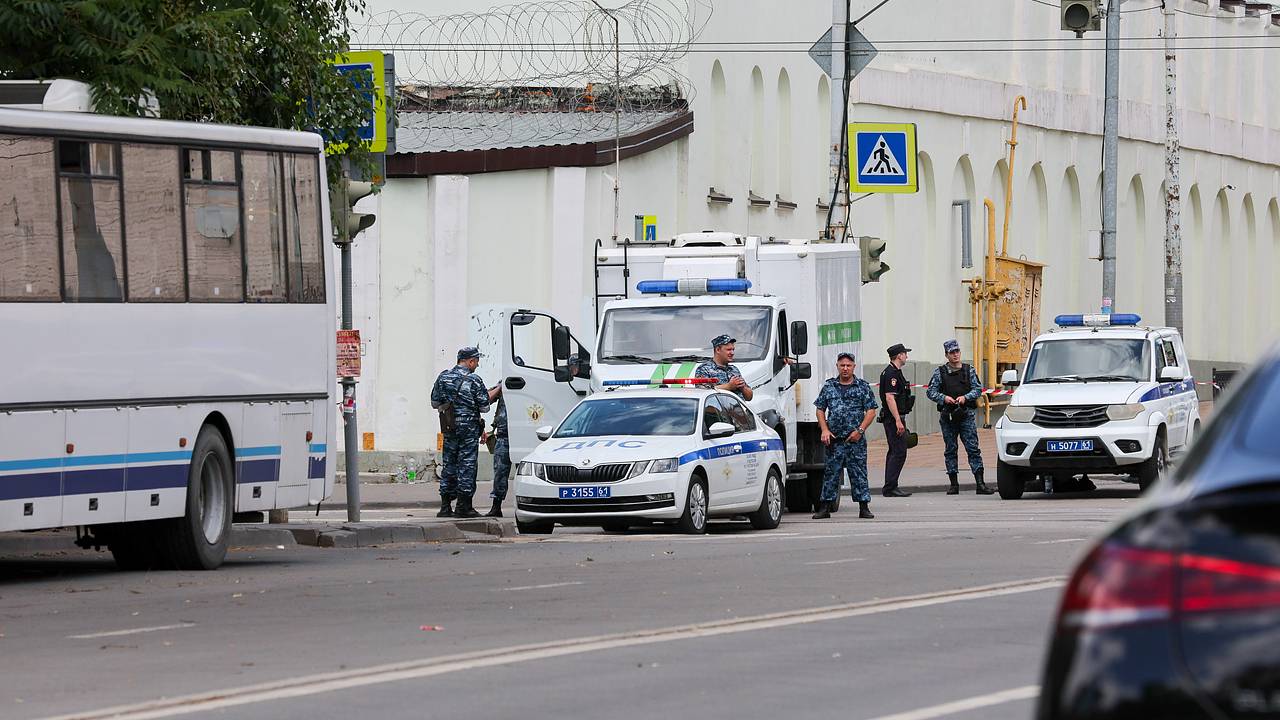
<point>244,62</point>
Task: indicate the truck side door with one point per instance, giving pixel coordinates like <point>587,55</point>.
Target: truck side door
<point>533,396</point>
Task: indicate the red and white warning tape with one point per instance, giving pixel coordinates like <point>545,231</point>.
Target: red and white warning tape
<point>993,391</point>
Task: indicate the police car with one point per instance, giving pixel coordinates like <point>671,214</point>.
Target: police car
<point>647,455</point>
<point>1100,394</point>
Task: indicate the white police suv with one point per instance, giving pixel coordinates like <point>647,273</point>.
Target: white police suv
<point>638,456</point>
<point>1099,394</point>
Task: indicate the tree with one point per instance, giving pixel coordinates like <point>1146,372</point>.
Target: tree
<point>244,62</point>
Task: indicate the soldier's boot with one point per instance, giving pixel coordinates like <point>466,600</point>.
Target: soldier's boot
<point>982,486</point>
<point>496,510</point>
<point>446,506</point>
<point>955,484</point>
<point>465,510</point>
<point>864,511</point>
<point>824,511</point>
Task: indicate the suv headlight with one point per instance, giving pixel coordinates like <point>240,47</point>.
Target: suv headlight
<point>637,469</point>
<point>666,465</point>
<point>1020,413</point>
<point>1125,412</point>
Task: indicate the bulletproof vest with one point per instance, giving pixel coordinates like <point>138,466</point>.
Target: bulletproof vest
<point>955,384</point>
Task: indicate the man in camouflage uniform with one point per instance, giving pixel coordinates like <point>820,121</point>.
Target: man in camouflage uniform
<point>501,456</point>
<point>462,388</point>
<point>846,408</point>
<point>721,367</point>
<point>955,387</point>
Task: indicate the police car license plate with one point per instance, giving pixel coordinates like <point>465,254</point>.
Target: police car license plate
<point>1068,445</point>
<point>594,492</point>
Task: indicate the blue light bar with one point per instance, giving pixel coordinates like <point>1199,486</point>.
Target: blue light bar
<point>693,286</point>
<point>1128,319</point>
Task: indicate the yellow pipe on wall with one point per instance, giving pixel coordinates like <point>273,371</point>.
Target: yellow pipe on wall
<point>1008,184</point>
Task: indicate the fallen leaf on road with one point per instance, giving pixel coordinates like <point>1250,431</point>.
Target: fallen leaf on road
<point>456,552</point>
<point>238,595</point>
<point>431,628</point>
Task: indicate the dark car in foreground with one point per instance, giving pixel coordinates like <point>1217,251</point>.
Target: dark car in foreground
<point>1175,613</point>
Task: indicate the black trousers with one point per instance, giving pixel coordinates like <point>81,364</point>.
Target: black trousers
<point>897,456</point>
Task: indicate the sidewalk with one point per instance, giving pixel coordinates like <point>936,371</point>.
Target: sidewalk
<point>924,472</point>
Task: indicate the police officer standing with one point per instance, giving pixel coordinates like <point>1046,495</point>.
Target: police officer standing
<point>721,367</point>
<point>501,451</point>
<point>461,397</point>
<point>846,408</point>
<point>896,399</point>
<point>955,388</point>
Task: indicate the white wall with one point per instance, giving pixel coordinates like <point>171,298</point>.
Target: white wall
<point>526,237</point>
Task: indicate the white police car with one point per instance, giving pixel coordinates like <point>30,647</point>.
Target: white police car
<point>639,456</point>
<point>1100,394</point>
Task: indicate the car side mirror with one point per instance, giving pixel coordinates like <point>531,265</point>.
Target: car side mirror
<point>801,371</point>
<point>544,432</point>
<point>1172,374</point>
<point>799,337</point>
<point>1009,378</point>
<point>560,342</point>
<point>720,429</point>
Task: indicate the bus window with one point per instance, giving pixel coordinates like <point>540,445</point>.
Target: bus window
<point>29,235</point>
<point>214,262</point>
<point>153,228</point>
<point>264,227</point>
<point>92,237</point>
<point>306,244</point>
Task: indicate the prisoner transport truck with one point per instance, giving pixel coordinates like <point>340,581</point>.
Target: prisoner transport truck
<point>792,305</point>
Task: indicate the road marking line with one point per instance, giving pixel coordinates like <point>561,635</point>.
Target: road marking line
<point>538,587</point>
<point>1064,540</point>
<point>958,706</point>
<point>834,562</point>
<point>134,631</point>
<point>309,685</point>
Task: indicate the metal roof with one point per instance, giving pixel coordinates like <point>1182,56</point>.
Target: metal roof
<point>456,131</point>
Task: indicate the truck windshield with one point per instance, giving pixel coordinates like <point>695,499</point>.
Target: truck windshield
<point>631,416</point>
<point>682,334</point>
<point>1092,359</point>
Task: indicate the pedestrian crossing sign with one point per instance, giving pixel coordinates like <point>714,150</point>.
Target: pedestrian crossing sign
<point>882,158</point>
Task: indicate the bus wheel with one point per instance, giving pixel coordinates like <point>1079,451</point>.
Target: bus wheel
<point>198,540</point>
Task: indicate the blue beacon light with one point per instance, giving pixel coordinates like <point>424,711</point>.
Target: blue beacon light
<point>1117,319</point>
<point>693,286</point>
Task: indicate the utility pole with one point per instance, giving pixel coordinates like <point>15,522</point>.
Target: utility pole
<point>839,192</point>
<point>617,118</point>
<point>1110,156</point>
<point>1172,178</point>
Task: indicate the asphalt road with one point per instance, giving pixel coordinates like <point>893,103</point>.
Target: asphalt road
<point>939,607</point>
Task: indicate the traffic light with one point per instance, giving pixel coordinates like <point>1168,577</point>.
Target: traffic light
<point>1080,16</point>
<point>353,223</point>
<point>872,268</point>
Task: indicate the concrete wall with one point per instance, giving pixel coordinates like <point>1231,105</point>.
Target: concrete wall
<point>445,244</point>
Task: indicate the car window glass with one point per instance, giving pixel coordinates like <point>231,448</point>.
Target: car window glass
<point>743,420</point>
<point>713,413</point>
<point>1170,357</point>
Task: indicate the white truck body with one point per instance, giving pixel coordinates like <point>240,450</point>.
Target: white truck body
<point>794,281</point>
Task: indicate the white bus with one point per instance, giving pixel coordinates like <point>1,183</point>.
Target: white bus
<point>168,322</point>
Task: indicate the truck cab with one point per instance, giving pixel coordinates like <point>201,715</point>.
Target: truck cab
<point>676,297</point>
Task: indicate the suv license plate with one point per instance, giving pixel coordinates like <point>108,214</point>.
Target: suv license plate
<point>584,493</point>
<point>1069,445</point>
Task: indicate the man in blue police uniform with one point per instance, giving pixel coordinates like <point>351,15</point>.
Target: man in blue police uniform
<point>501,450</point>
<point>846,408</point>
<point>460,394</point>
<point>721,367</point>
<point>955,388</point>
<point>895,396</point>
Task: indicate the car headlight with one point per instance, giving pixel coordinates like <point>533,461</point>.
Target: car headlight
<point>666,465</point>
<point>1020,413</point>
<point>637,468</point>
<point>1125,412</point>
<point>530,469</point>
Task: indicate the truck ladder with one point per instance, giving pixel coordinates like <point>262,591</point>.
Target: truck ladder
<point>626,276</point>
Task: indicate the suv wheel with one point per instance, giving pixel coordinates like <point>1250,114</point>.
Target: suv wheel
<point>1009,481</point>
<point>1154,467</point>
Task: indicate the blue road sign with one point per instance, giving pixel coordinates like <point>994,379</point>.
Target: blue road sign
<point>882,158</point>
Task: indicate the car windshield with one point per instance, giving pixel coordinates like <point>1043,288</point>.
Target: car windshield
<point>631,416</point>
<point>682,334</point>
<point>1099,359</point>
